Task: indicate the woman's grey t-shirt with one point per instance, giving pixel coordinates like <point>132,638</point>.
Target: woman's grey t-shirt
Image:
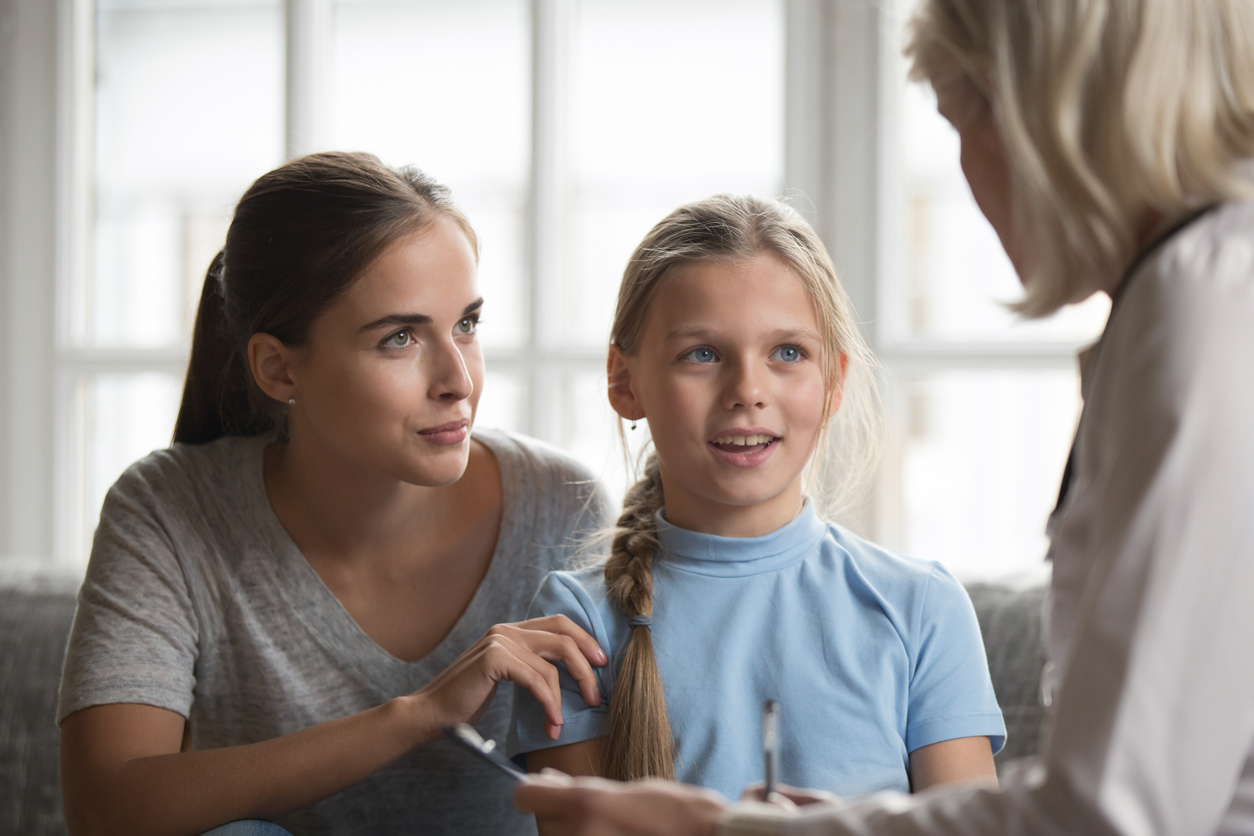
<point>197,601</point>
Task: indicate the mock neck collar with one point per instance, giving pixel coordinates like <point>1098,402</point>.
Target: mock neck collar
<point>710,554</point>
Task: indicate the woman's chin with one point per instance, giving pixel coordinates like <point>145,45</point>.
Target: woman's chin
<point>436,470</point>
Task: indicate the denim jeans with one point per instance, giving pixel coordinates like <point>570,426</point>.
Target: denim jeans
<point>247,827</point>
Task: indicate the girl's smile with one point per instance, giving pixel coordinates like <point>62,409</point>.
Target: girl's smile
<point>746,447</point>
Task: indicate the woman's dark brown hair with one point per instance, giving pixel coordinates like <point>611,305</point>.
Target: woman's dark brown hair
<point>301,235</point>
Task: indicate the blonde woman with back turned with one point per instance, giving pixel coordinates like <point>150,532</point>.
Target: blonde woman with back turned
<point>1111,145</point>
<point>724,587</point>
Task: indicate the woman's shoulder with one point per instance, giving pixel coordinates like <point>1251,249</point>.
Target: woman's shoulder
<point>538,458</point>
<point>1212,257</point>
<point>565,492</point>
<point>183,473</point>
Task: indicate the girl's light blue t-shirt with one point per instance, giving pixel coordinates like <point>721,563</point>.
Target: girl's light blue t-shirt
<point>870,655</point>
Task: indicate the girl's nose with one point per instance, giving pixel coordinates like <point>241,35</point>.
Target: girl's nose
<point>744,388</point>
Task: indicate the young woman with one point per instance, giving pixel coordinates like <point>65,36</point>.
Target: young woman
<point>286,605</point>
<point>1111,145</point>
<point>724,587</point>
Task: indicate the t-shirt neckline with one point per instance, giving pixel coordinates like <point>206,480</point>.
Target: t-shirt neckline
<point>323,614</point>
<point>710,554</point>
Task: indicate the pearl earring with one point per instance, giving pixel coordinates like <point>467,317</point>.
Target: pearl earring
<point>291,402</point>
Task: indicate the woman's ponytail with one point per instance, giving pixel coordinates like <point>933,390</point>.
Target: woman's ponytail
<point>639,743</point>
<point>216,393</point>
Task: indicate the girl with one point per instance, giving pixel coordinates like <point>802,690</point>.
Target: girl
<point>724,587</point>
<point>1111,145</point>
<point>283,607</point>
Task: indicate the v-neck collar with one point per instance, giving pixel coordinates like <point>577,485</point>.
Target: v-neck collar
<point>331,625</point>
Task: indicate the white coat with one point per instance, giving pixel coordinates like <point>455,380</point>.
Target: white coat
<point>1151,623</point>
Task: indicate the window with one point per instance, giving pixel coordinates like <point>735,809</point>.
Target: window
<point>982,404</point>
<point>565,129</point>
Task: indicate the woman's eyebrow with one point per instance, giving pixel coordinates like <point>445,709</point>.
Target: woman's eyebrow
<point>392,320</point>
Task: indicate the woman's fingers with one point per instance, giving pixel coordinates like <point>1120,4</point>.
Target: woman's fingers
<point>786,796</point>
<point>562,625</point>
<point>596,806</point>
<point>523,654</point>
<point>559,648</point>
<point>558,639</point>
<point>525,669</point>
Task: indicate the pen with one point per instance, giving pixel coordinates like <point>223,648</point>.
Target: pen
<point>770,747</point>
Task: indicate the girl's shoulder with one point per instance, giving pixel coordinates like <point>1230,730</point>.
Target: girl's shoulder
<point>578,591</point>
<point>900,582</point>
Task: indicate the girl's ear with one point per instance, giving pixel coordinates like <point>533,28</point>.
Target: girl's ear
<point>622,397</point>
<point>271,362</point>
<point>837,386</point>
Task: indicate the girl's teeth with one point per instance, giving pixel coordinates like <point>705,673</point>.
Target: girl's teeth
<point>744,440</point>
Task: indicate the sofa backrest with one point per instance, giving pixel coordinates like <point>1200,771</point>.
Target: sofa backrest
<point>34,625</point>
<point>1010,619</point>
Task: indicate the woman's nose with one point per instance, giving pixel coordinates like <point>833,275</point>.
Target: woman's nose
<point>451,378</point>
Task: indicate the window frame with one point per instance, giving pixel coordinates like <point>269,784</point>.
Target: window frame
<point>839,132</point>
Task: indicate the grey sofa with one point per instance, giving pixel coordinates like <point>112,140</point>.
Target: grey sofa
<point>35,618</point>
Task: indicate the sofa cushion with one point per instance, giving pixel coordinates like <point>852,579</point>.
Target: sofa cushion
<point>34,625</point>
<point>1010,619</point>
<point>35,622</point>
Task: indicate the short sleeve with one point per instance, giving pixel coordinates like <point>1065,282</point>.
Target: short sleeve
<point>951,692</point>
<point>134,637</point>
<point>562,593</point>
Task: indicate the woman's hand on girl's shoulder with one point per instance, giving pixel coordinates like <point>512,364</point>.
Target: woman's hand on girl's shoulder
<point>521,653</point>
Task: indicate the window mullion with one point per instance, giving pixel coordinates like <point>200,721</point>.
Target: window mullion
<point>308,39</point>
<point>550,39</point>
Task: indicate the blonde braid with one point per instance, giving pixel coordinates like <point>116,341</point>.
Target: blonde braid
<point>639,743</point>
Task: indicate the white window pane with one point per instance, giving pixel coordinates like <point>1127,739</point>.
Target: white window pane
<point>589,430</point>
<point>127,417</point>
<point>981,457</point>
<point>189,107</point>
<point>671,101</point>
<point>954,276</point>
<point>446,87</point>
<point>503,404</point>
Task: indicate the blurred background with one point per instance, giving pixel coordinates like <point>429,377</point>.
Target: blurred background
<point>565,128</point>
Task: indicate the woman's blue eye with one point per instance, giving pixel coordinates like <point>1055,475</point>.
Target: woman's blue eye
<point>701,355</point>
<point>787,354</point>
<point>466,325</point>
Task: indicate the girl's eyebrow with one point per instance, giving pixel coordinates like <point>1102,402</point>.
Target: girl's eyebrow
<point>413,318</point>
<point>688,333</point>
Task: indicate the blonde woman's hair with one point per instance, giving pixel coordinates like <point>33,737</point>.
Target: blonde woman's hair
<point>720,229</point>
<point>1111,111</point>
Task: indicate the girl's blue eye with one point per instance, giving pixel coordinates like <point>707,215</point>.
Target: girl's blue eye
<point>701,355</point>
<point>466,325</point>
<point>787,354</point>
<point>398,340</point>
